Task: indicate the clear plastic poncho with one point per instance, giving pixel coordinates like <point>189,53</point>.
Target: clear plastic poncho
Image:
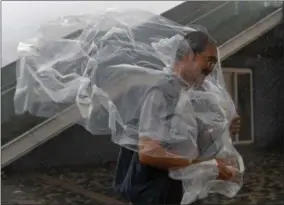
<point>116,69</point>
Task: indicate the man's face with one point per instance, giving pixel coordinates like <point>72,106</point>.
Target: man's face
<point>197,67</point>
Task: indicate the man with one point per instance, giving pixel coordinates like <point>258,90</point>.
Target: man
<point>142,177</point>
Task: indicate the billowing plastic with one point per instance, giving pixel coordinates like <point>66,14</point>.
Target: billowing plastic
<point>116,67</point>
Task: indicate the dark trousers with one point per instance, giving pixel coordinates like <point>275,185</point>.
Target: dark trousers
<point>175,194</point>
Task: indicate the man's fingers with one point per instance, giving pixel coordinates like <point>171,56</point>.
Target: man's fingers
<point>234,133</point>
<point>225,174</point>
<point>235,130</point>
<point>237,118</point>
<point>228,172</point>
<point>236,123</point>
<point>235,126</point>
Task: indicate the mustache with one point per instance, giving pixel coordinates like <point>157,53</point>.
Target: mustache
<point>206,71</point>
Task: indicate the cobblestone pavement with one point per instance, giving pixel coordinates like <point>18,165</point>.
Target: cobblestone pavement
<point>263,184</point>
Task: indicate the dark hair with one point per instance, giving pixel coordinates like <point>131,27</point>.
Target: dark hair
<point>194,42</point>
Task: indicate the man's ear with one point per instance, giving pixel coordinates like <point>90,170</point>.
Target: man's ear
<point>192,57</point>
<point>188,58</point>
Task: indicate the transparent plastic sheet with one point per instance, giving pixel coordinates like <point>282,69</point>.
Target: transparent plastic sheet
<point>117,69</point>
<point>202,176</point>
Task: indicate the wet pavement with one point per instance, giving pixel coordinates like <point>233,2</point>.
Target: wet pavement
<point>263,184</point>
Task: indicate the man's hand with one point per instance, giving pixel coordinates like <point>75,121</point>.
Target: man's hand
<point>225,172</point>
<point>235,126</point>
